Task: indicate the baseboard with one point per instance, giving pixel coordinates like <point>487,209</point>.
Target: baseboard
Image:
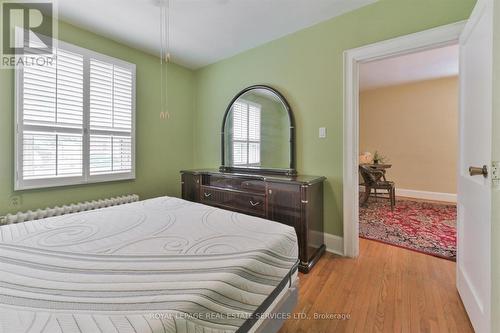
<point>435,196</point>
<point>424,195</point>
<point>334,244</point>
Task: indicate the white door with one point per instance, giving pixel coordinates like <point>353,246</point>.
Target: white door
<point>474,191</point>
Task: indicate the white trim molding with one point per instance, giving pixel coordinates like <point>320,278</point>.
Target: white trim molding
<point>334,244</point>
<point>425,195</point>
<point>416,42</point>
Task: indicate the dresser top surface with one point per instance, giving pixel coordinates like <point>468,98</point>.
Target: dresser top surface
<point>302,179</point>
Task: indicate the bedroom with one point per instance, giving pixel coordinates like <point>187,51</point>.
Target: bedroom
<point>172,119</point>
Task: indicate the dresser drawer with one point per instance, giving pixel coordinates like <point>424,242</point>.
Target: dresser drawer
<point>234,200</point>
<point>241,184</point>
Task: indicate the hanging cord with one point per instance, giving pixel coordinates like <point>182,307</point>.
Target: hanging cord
<point>164,55</point>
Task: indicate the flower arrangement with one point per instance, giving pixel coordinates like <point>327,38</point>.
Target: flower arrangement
<point>379,158</point>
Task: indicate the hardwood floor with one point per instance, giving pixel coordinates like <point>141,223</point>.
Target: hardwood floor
<point>386,289</point>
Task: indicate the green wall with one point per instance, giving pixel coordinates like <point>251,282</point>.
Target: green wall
<point>163,146</point>
<point>307,67</point>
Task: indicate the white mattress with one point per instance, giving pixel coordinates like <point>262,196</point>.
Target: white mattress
<point>159,265</point>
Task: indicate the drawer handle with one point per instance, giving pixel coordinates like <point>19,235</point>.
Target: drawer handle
<point>254,203</point>
<point>207,195</point>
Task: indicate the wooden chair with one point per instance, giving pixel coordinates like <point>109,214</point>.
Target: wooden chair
<point>374,179</point>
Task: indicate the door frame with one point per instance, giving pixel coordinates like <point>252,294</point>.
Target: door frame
<point>415,42</point>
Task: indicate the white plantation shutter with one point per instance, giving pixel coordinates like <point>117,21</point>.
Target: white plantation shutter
<point>253,153</point>
<point>53,95</point>
<point>122,153</point>
<point>110,154</point>
<point>101,95</point>
<point>39,95</point>
<point>240,151</point>
<point>52,99</point>
<point>110,118</point>
<point>69,89</point>
<point>246,133</point>
<point>101,153</point>
<point>69,155</point>
<point>240,121</point>
<point>75,120</point>
<point>122,114</point>
<point>39,157</point>
<point>253,123</point>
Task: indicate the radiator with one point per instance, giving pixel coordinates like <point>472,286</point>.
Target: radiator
<point>67,209</point>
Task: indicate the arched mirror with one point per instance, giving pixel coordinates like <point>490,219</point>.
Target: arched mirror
<point>258,133</point>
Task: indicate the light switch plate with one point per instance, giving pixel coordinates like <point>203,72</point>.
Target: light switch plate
<point>322,132</point>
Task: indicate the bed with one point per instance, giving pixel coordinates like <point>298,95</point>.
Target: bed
<point>158,265</point>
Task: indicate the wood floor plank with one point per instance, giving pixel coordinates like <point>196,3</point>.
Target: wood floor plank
<point>386,289</point>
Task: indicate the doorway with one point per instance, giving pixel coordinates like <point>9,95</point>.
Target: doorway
<point>419,42</point>
<point>408,144</point>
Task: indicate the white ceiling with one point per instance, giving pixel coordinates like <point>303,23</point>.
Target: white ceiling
<point>426,65</point>
<point>202,31</point>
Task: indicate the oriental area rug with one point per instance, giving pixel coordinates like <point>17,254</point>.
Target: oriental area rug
<point>416,225</point>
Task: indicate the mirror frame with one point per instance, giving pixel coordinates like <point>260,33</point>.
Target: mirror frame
<point>291,171</point>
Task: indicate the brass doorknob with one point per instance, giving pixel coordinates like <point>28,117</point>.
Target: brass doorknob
<point>475,171</point>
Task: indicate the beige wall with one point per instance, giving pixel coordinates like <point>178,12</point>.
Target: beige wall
<point>416,126</point>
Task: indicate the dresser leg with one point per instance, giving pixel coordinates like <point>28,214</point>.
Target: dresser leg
<point>305,267</point>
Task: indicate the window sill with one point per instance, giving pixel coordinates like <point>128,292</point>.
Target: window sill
<point>64,182</point>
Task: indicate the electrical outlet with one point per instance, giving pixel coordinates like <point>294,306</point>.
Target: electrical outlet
<point>15,201</point>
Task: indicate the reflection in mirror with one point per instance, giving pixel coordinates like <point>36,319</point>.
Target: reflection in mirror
<point>257,131</point>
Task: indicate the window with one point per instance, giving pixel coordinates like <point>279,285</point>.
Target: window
<point>246,133</point>
<point>75,120</point>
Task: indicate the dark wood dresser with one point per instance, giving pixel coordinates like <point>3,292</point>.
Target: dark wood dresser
<point>296,201</point>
